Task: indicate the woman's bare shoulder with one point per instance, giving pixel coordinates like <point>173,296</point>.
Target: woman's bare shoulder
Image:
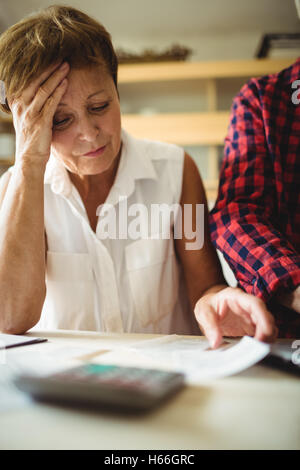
<point>192,185</point>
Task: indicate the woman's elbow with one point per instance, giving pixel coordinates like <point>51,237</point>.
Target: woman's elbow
<point>17,319</point>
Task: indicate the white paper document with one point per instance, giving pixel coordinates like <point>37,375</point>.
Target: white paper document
<point>193,356</point>
<point>197,360</point>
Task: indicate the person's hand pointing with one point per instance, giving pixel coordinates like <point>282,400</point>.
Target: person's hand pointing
<point>232,312</point>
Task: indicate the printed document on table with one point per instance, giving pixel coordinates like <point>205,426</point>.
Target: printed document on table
<point>192,356</point>
<point>197,360</point>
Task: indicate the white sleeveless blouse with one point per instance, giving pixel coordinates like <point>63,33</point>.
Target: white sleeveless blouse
<point>121,284</point>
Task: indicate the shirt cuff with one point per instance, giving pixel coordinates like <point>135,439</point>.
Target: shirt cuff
<point>280,273</point>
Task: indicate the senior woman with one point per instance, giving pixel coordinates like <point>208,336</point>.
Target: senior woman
<point>57,270</point>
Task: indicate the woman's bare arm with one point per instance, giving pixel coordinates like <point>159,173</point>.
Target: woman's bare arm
<point>22,237</point>
<point>22,249</point>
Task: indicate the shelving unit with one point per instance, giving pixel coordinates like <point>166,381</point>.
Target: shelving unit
<point>196,127</point>
<point>202,116</point>
<point>168,71</point>
<point>8,162</point>
<point>205,128</point>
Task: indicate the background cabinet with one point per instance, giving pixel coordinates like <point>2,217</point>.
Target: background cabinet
<point>188,103</point>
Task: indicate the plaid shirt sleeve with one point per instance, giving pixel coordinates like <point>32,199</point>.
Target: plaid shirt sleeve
<point>244,220</point>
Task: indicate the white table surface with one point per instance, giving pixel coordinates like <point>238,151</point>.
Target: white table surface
<point>256,409</point>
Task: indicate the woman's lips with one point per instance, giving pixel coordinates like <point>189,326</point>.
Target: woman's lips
<point>95,153</point>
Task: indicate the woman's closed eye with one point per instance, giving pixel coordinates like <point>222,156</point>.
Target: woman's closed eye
<point>61,122</point>
<point>100,108</point>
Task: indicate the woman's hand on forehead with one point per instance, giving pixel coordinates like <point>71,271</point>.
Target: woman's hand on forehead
<point>45,81</point>
<point>33,113</point>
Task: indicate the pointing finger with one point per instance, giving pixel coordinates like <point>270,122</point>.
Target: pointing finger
<point>209,323</point>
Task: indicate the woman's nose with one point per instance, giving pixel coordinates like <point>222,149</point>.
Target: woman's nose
<point>88,129</point>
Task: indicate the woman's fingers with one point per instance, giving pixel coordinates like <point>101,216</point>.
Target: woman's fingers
<point>30,92</point>
<point>36,94</point>
<point>33,120</point>
<point>235,325</point>
<point>53,100</point>
<point>266,329</point>
<point>225,307</point>
<point>261,317</point>
<point>232,312</point>
<point>46,89</point>
<point>243,305</point>
<point>209,323</point>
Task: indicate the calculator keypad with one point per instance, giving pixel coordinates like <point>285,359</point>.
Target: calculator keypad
<point>114,376</point>
<point>92,384</point>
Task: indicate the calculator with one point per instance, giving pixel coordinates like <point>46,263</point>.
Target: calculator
<point>130,388</point>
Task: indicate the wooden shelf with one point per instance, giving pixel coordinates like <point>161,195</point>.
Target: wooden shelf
<point>7,162</point>
<point>6,118</point>
<point>208,128</point>
<point>169,71</point>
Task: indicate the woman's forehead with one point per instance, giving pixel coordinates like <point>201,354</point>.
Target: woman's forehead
<point>86,83</point>
<point>88,76</point>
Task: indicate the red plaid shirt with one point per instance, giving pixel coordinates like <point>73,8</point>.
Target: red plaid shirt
<point>256,219</point>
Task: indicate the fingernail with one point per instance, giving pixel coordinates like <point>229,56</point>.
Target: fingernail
<point>213,341</point>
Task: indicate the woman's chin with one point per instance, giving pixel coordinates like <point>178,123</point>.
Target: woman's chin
<point>90,166</point>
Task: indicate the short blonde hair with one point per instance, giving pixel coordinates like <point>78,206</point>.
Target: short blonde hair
<point>58,32</point>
